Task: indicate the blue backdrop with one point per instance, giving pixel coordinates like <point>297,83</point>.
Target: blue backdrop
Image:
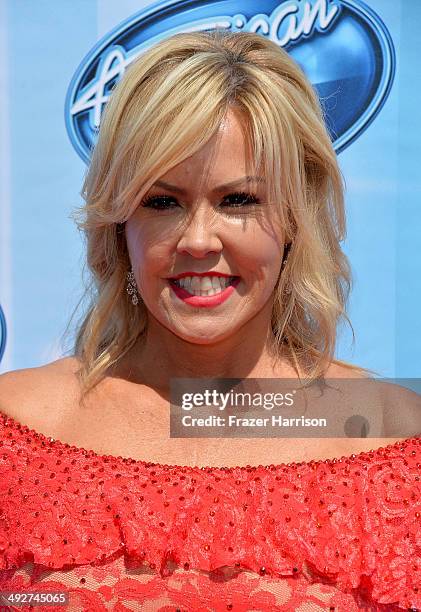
<point>46,49</point>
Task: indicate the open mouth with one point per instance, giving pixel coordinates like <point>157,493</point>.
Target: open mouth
<point>204,286</point>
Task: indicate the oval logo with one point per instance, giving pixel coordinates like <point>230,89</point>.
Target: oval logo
<point>2,333</point>
<point>343,47</point>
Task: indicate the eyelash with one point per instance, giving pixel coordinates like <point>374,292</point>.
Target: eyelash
<point>250,199</point>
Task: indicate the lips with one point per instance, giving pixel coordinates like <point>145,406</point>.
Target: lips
<point>199,297</point>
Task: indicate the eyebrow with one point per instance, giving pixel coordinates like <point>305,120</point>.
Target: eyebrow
<point>230,185</point>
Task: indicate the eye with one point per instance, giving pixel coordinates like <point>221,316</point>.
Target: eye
<point>158,202</point>
<point>240,199</point>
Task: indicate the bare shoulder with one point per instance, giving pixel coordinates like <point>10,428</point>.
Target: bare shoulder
<point>39,395</point>
<point>400,404</point>
<point>402,408</point>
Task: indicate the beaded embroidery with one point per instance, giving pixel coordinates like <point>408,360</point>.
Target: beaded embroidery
<point>337,534</point>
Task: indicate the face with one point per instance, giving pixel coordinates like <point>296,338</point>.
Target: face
<point>192,221</point>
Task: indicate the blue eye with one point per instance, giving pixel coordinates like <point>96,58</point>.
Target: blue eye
<point>233,200</point>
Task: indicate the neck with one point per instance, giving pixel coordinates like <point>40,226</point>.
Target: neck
<point>160,355</point>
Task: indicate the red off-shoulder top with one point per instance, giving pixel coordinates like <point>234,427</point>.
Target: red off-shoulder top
<point>121,534</point>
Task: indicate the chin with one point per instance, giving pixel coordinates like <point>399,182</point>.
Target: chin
<point>204,338</point>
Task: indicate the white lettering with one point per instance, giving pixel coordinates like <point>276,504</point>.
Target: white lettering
<point>287,23</point>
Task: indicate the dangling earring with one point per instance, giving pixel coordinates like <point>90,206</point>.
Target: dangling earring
<point>287,247</point>
<point>132,288</point>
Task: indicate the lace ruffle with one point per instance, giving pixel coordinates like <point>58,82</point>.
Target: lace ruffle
<point>354,520</point>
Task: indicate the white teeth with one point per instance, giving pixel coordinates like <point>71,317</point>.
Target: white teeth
<point>204,285</point>
<point>195,283</point>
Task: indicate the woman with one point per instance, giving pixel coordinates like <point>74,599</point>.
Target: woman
<point>213,217</point>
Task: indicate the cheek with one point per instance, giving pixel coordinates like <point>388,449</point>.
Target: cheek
<point>260,255</point>
<point>141,242</point>
<point>150,257</point>
<point>253,252</point>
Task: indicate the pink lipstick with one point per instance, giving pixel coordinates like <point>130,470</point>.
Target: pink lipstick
<point>203,300</point>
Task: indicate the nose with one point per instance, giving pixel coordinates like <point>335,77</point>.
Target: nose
<point>199,237</point>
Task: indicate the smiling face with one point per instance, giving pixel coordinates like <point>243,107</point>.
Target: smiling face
<point>190,222</point>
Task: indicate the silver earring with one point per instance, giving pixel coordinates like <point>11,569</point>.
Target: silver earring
<point>132,288</point>
<point>287,289</point>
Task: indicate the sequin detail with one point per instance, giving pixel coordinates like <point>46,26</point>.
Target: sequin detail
<point>335,532</point>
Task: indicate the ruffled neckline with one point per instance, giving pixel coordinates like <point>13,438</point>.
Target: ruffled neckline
<point>351,521</point>
<point>59,444</point>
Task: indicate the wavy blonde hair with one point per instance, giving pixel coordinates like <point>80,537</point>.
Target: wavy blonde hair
<point>168,104</point>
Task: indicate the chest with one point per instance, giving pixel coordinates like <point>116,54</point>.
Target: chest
<point>118,421</point>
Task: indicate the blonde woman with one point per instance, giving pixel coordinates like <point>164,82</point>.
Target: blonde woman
<point>213,218</point>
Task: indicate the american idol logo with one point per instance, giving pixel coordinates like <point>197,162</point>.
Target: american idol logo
<point>342,45</point>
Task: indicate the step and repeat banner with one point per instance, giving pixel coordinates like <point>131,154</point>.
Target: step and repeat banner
<point>59,60</point>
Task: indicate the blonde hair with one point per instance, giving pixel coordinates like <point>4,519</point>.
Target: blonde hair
<point>168,104</point>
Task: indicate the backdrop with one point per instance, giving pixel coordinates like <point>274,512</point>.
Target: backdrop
<point>58,61</point>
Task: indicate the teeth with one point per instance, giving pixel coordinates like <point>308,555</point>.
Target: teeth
<point>204,285</point>
<point>195,283</point>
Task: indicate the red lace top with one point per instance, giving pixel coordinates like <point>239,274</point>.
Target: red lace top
<point>120,534</point>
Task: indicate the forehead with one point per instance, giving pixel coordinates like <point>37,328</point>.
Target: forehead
<point>223,158</point>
